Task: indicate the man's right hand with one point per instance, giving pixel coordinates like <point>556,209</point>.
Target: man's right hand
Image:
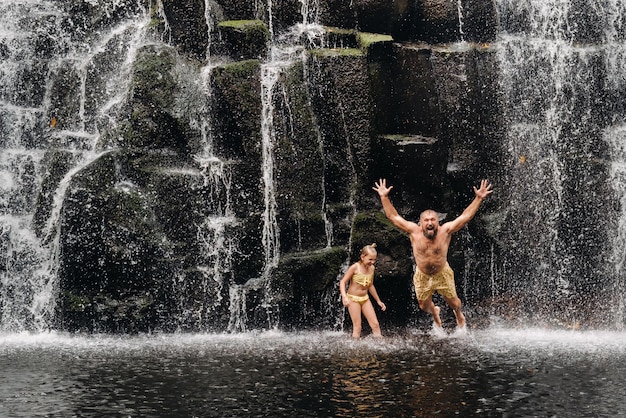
<point>381,187</point>
<point>484,191</point>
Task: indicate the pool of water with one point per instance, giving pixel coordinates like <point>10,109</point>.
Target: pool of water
<point>488,372</point>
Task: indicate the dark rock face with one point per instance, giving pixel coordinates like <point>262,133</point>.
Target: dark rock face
<point>117,253</point>
<point>188,26</point>
<point>245,39</point>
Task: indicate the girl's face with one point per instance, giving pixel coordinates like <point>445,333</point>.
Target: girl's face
<point>368,259</point>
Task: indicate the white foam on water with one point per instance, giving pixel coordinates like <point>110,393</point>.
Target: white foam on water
<point>490,340</point>
<point>550,340</point>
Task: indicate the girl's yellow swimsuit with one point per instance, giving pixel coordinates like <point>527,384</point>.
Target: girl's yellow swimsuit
<point>364,280</point>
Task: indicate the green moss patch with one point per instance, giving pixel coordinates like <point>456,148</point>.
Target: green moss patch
<point>337,52</point>
<point>366,39</point>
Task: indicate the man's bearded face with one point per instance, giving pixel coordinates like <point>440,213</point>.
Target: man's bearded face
<point>430,224</point>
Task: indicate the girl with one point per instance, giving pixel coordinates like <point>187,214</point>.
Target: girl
<point>356,299</point>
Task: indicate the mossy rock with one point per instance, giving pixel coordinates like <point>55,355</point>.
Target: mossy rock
<point>367,40</point>
<point>299,169</point>
<point>187,25</point>
<point>304,273</point>
<point>393,246</point>
<point>337,52</point>
<point>340,37</point>
<point>153,122</point>
<point>244,39</point>
<point>103,312</point>
<point>128,225</point>
<point>346,42</point>
<point>236,110</point>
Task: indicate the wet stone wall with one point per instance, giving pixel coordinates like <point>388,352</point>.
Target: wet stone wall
<point>215,199</point>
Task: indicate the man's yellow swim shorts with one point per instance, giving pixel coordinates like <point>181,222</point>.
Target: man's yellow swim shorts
<point>442,283</point>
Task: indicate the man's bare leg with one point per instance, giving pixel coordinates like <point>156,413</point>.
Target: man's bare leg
<point>460,318</point>
<point>455,304</point>
<point>429,306</point>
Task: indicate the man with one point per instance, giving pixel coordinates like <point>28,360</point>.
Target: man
<point>430,243</point>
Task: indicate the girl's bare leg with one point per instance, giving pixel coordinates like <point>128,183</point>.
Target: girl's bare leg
<point>370,315</point>
<point>355,315</point>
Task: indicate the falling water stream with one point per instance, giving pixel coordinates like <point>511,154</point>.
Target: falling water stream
<point>614,135</point>
<point>285,51</point>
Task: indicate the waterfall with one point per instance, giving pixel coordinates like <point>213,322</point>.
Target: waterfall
<point>25,283</point>
<point>214,233</point>
<point>561,77</point>
<point>615,136</point>
<point>310,10</point>
<point>238,313</point>
<point>534,63</point>
<point>208,8</point>
<point>270,238</point>
<point>95,64</point>
<point>533,137</point>
<point>31,123</point>
<point>166,36</point>
<point>238,319</point>
<point>284,52</point>
<point>270,18</point>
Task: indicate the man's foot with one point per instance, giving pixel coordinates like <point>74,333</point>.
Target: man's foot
<point>438,331</point>
<point>460,332</point>
<point>436,317</point>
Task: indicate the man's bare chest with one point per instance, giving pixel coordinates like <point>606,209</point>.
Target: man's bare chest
<point>436,247</point>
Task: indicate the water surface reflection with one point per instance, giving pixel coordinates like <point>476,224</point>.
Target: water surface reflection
<point>491,372</point>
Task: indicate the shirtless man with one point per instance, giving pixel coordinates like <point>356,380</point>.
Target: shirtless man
<point>430,243</point>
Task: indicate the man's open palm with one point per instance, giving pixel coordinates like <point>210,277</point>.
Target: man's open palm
<point>381,187</point>
<point>484,191</point>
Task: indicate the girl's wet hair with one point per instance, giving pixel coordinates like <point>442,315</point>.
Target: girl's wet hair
<point>369,249</point>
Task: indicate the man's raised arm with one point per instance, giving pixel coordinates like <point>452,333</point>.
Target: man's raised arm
<point>469,212</point>
<point>390,212</point>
